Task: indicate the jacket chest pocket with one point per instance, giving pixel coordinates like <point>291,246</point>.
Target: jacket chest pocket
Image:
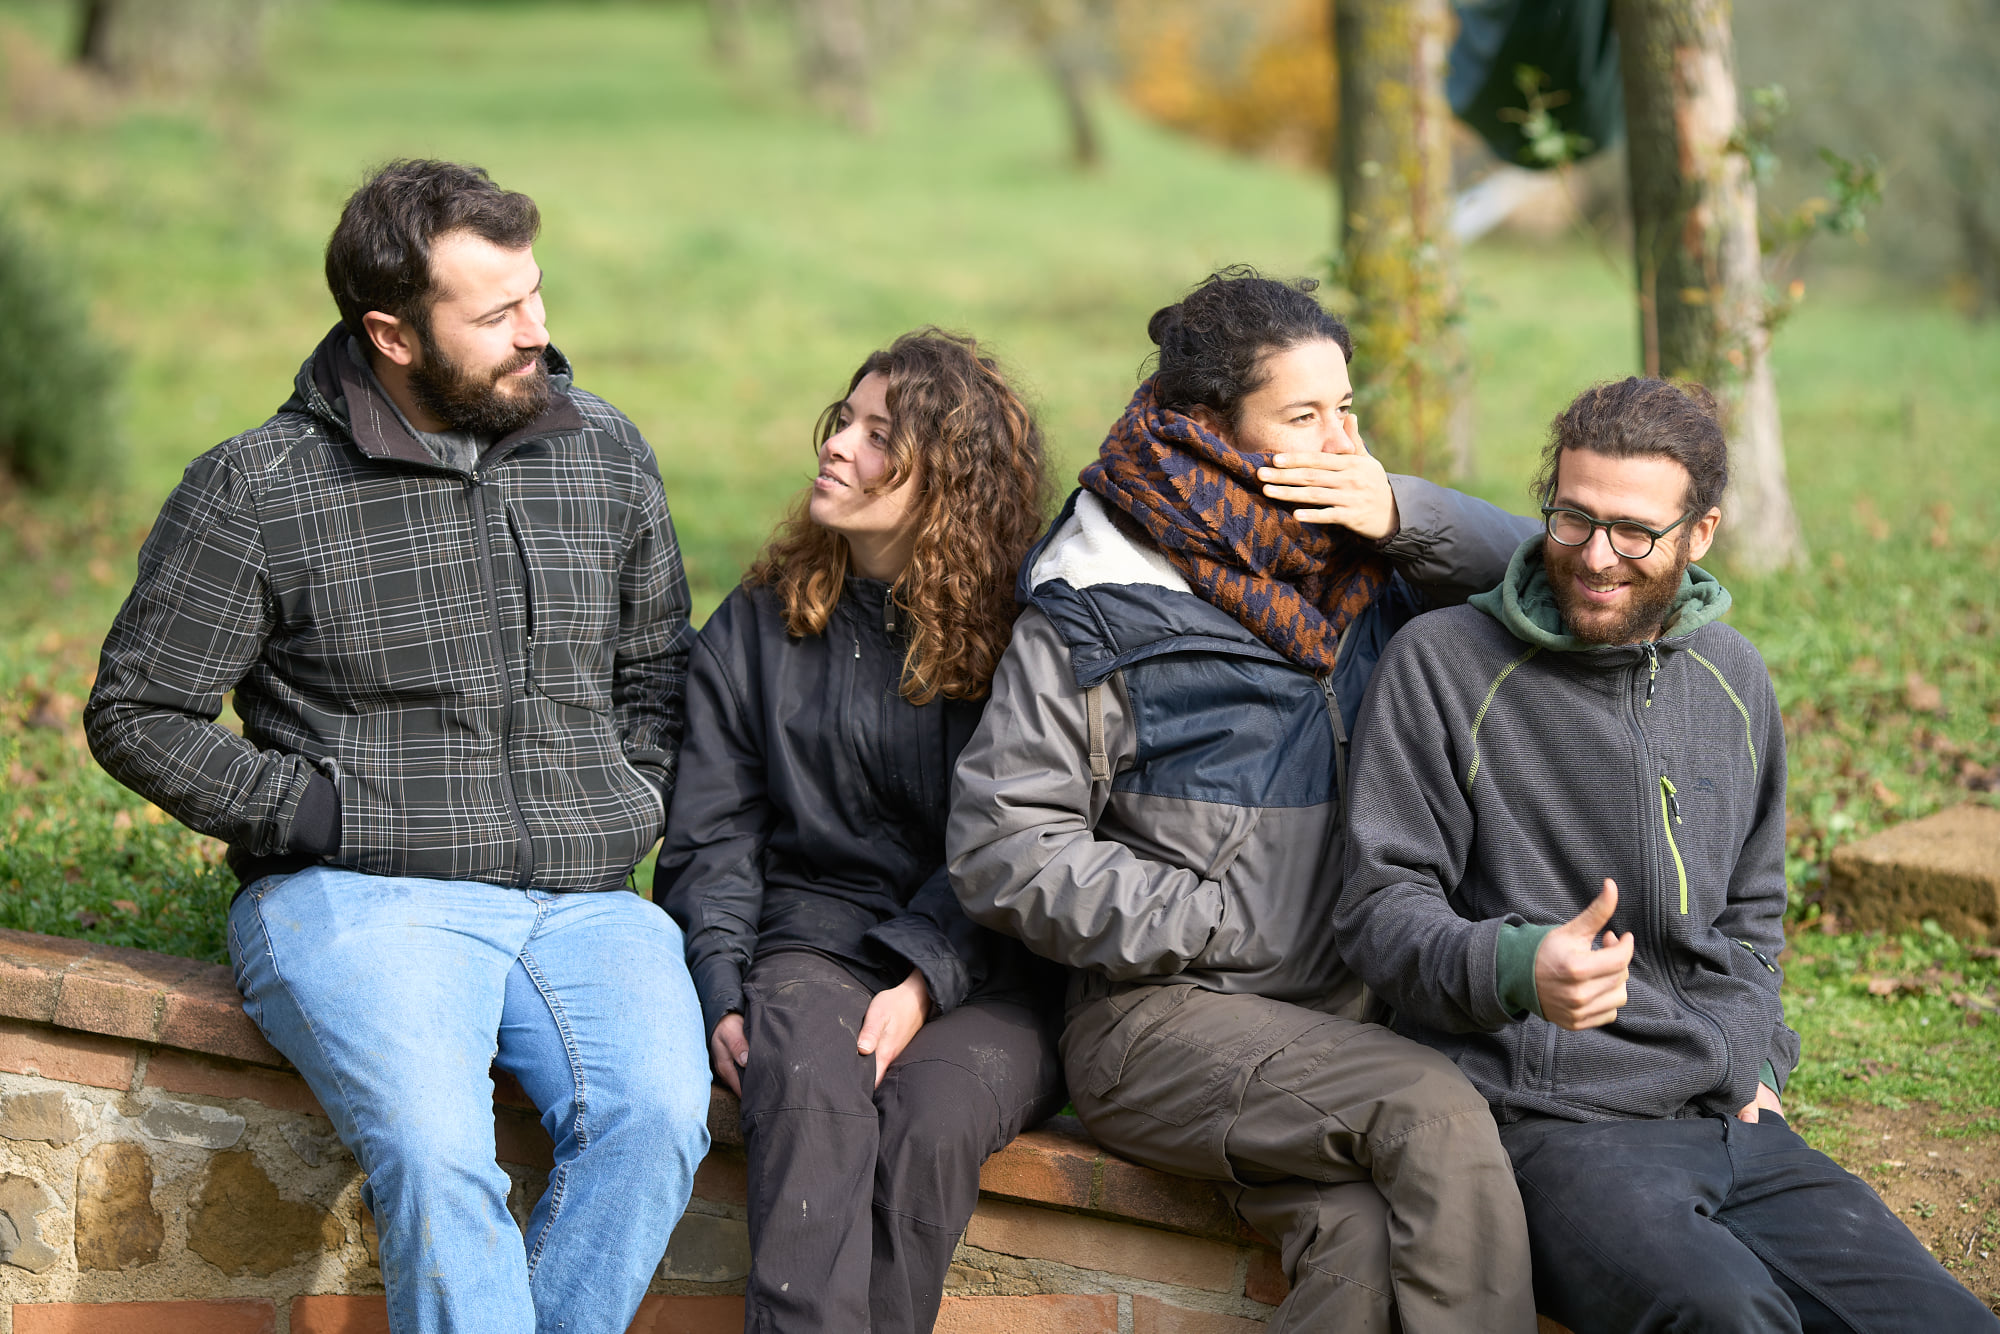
<point>571,582</point>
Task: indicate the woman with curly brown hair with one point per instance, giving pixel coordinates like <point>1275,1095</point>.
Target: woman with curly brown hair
<point>883,1045</point>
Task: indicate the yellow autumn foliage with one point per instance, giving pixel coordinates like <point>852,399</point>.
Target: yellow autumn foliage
<point>1256,76</point>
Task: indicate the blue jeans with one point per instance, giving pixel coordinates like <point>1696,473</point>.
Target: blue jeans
<point>395,997</point>
<point>1711,1223</point>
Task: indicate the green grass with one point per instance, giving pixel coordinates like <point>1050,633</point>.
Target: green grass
<point>718,260</point>
<point>1922,1035</point>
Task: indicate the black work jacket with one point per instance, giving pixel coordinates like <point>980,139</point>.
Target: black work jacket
<point>810,810</point>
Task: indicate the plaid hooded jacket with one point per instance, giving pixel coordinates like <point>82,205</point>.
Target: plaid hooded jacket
<point>447,674</point>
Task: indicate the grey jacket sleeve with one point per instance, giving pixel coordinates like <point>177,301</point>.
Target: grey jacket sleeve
<point>712,864</point>
<point>1450,545</point>
<point>1754,916</point>
<point>1022,844</point>
<point>1409,833</point>
<point>194,625</point>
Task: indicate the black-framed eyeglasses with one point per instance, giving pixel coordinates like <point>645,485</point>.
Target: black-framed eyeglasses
<point>1629,538</point>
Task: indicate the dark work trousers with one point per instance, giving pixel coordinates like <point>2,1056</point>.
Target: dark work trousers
<point>1371,1161</point>
<point>1717,1224</point>
<point>858,1194</point>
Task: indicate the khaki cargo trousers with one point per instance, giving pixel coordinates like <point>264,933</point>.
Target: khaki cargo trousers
<point>1368,1159</point>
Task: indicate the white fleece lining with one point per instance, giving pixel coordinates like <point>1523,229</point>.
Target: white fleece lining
<point>1088,549</point>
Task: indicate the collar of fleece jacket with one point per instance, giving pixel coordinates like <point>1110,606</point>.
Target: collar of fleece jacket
<point>1526,604</point>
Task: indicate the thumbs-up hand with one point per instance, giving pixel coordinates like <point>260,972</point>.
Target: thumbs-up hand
<point>1343,483</point>
<point>1580,978</point>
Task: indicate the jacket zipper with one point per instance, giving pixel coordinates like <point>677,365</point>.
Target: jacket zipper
<point>1333,714</point>
<point>524,843</point>
<point>1652,675</point>
<point>1670,815</point>
<point>1768,965</point>
<point>1659,918</point>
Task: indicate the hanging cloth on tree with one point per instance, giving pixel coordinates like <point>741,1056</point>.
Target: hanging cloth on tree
<point>1574,46</point>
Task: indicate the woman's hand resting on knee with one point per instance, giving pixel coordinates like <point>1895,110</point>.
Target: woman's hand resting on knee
<point>893,1018</point>
<point>729,1052</point>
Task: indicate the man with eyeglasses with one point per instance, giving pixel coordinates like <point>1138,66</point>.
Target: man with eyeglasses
<point>1565,870</point>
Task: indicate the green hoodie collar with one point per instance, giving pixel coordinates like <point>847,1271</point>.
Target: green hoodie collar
<point>1526,605</point>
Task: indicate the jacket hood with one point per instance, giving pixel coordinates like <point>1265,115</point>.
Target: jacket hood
<point>332,388</point>
<point>1525,603</point>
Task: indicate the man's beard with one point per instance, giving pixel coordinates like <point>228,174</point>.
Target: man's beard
<point>483,403</point>
<point>1648,599</point>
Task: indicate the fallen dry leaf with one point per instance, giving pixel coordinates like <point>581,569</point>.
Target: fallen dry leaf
<point>53,712</point>
<point>1921,696</point>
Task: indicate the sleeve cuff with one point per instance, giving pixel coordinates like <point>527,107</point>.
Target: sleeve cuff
<point>1514,969</point>
<point>315,830</point>
<point>720,989</point>
<point>923,947</point>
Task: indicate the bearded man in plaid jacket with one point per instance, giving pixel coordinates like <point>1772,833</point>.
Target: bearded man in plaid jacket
<point>443,585</point>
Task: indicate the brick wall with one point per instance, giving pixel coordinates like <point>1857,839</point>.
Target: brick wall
<point>164,1171</point>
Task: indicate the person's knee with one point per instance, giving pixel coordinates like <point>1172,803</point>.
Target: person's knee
<point>935,1111</point>
<point>421,1155</point>
<point>669,1110</point>
<point>1708,1300</point>
<point>1430,1088</point>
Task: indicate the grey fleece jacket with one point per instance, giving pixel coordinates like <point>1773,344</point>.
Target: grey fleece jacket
<point>1501,770</point>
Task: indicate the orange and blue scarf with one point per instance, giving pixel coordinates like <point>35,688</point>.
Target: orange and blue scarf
<point>1294,585</point>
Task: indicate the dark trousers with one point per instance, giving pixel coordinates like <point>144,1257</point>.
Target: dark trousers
<point>859,1194</point>
<point>1718,1224</point>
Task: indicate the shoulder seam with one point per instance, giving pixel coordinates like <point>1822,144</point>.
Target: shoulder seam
<point>1749,737</point>
<point>1472,773</point>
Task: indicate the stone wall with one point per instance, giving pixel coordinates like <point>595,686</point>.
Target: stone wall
<point>164,1171</point>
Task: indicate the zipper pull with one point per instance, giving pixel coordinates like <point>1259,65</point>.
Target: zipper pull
<point>1652,672</point>
<point>889,613</point>
<point>857,648</point>
<point>1673,799</point>
<point>1769,966</point>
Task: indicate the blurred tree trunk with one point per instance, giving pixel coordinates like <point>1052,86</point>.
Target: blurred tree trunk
<point>1060,31</point>
<point>833,58</point>
<point>1697,256</point>
<point>728,24</point>
<point>170,43</point>
<point>94,34</point>
<point>1393,162</point>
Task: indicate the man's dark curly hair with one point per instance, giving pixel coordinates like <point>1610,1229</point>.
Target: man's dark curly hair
<point>1635,418</point>
<point>1214,340</point>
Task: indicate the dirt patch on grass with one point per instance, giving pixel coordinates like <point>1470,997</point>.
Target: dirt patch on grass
<point>1947,1189</point>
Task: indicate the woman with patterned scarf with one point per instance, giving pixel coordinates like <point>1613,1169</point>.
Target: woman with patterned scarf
<point>1153,798</point>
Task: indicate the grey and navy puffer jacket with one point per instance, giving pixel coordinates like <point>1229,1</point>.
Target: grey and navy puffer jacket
<point>1153,793</point>
<point>447,674</point>
<point>1502,770</point>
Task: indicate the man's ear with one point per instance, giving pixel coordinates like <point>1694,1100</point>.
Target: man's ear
<point>1211,421</point>
<point>1704,533</point>
<point>392,339</point>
